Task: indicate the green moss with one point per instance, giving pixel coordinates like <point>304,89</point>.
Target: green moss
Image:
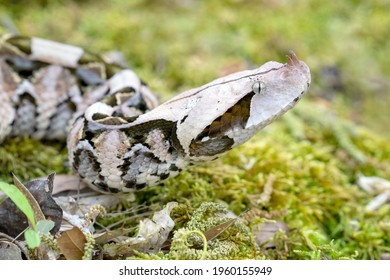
<point>28,159</point>
<point>189,242</point>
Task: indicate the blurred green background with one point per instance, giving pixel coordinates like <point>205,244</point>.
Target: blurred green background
<point>175,45</point>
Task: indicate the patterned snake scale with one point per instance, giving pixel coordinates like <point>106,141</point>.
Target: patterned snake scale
<point>119,139</point>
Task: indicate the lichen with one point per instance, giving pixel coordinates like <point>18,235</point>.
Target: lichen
<point>88,246</point>
<point>234,242</point>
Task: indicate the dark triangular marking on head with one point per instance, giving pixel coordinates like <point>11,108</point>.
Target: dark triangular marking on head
<point>213,140</point>
<point>235,116</point>
<point>211,147</point>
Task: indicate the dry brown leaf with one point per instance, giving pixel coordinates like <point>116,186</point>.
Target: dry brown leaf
<point>38,215</point>
<point>71,244</point>
<point>215,231</point>
<point>64,183</point>
<point>41,190</point>
<point>9,251</point>
<point>105,237</point>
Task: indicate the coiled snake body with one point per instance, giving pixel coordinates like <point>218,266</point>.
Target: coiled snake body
<point>119,139</point>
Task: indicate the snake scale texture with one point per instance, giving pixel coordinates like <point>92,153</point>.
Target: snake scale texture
<point>119,139</point>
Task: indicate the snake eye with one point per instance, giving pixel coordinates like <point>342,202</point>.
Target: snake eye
<point>257,87</point>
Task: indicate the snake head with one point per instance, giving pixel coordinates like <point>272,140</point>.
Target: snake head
<point>204,122</point>
<point>228,111</point>
<point>277,91</point>
<point>197,125</point>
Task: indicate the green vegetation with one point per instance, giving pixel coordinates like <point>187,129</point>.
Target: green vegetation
<point>316,152</point>
<point>36,227</point>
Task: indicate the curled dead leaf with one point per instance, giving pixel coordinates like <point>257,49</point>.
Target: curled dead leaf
<point>71,244</point>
